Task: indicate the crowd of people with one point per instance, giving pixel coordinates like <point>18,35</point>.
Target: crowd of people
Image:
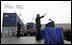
<point>36,33</point>
<point>28,33</point>
<point>67,34</point>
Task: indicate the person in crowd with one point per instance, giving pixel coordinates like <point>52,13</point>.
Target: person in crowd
<point>25,33</point>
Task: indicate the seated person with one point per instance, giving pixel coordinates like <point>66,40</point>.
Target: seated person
<point>50,24</point>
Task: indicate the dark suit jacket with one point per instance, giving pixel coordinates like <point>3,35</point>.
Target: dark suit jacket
<point>38,22</point>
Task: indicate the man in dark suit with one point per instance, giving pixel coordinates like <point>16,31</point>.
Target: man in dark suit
<point>38,26</point>
<point>50,24</point>
<point>18,29</point>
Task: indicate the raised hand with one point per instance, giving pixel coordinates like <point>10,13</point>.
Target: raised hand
<point>44,14</point>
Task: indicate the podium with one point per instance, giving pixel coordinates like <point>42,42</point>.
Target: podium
<point>53,35</point>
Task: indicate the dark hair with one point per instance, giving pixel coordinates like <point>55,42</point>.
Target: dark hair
<point>38,15</point>
<point>49,19</point>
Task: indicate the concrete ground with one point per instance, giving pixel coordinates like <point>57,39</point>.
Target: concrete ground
<point>23,40</point>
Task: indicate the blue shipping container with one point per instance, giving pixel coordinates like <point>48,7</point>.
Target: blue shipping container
<point>9,19</point>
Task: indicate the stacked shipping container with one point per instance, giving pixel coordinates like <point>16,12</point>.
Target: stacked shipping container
<point>9,24</point>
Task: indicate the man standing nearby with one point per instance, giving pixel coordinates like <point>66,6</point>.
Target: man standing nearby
<point>18,29</point>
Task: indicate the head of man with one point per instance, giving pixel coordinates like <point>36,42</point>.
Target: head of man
<point>50,20</point>
<point>38,15</point>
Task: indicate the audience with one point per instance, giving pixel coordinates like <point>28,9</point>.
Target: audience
<point>67,34</point>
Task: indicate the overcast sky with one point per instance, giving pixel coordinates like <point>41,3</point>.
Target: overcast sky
<point>59,11</point>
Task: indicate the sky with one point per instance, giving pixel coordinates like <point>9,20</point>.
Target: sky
<point>59,11</point>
